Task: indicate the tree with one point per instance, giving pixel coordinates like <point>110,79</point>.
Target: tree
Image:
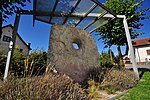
<point>113,33</point>
<point>111,54</point>
<point>8,8</point>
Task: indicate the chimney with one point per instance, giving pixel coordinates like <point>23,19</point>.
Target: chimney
<point>29,44</point>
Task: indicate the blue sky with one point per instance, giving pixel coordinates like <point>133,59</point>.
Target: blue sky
<point>38,35</point>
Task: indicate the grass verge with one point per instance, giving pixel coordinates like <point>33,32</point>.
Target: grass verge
<point>141,91</point>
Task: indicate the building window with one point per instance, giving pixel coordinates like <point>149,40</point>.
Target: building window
<point>148,52</point>
<point>6,38</point>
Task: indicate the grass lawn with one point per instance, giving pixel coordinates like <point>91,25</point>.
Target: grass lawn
<point>141,91</point>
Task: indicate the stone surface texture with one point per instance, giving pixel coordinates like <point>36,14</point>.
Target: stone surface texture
<point>76,63</point>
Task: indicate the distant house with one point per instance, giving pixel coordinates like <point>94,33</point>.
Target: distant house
<point>6,38</point>
<point>142,50</point>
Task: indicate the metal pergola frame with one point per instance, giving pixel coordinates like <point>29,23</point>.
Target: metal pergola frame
<point>71,14</point>
<point>81,16</point>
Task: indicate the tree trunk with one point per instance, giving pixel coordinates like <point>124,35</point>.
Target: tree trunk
<point>111,55</point>
<point>121,63</point>
<point>127,49</point>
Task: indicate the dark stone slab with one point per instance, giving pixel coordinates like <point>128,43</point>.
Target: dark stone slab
<point>65,58</point>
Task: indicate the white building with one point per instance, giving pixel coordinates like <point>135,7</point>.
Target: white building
<point>142,50</point>
<point>6,38</point>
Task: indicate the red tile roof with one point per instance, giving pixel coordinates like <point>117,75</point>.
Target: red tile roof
<point>141,42</point>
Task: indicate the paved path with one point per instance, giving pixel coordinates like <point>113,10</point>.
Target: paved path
<point>139,66</point>
<point>143,68</point>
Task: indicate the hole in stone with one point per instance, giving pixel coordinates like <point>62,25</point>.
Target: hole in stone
<point>75,45</point>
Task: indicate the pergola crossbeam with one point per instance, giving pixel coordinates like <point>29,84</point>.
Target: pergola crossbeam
<point>78,15</point>
<point>89,11</point>
<point>53,10</point>
<point>102,6</point>
<point>34,10</point>
<point>72,10</point>
<point>97,18</point>
<point>101,25</point>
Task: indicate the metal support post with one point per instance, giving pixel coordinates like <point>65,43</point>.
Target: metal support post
<point>130,47</point>
<point>12,45</point>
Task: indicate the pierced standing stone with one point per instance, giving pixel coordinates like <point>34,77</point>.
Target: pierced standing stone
<point>74,61</point>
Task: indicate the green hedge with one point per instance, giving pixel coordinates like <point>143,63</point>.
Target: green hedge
<point>34,64</point>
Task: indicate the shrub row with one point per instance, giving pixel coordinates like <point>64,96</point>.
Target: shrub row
<point>121,79</point>
<point>34,64</point>
<point>45,87</point>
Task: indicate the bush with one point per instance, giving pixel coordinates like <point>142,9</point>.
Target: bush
<point>106,61</point>
<point>121,79</point>
<point>93,90</point>
<point>34,64</point>
<point>97,74</point>
<point>46,87</point>
<point>2,64</point>
<point>108,88</point>
<point>17,66</point>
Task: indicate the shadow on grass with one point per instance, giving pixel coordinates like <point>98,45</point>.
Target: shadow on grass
<point>142,71</point>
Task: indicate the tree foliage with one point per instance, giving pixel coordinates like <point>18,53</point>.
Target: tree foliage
<point>9,7</point>
<point>113,33</point>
